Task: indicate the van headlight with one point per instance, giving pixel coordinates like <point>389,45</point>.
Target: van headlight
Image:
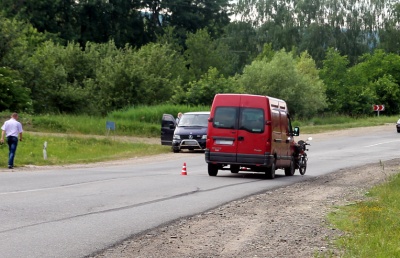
<point>204,137</point>
<point>177,137</point>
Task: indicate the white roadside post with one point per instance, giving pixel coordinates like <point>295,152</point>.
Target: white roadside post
<point>45,150</point>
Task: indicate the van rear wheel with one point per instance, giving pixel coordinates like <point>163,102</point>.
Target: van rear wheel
<point>270,171</point>
<point>212,169</point>
<point>235,169</point>
<point>290,170</point>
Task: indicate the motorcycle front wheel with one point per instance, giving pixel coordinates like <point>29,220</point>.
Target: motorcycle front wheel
<point>302,165</point>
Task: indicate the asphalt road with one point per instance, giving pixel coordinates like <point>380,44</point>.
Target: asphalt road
<point>75,212</point>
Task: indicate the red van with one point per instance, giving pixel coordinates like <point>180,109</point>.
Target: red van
<point>250,133</point>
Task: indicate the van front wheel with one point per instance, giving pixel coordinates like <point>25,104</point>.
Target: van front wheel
<point>270,171</point>
<point>212,170</point>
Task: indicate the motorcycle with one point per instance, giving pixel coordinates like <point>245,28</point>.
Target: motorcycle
<point>301,159</point>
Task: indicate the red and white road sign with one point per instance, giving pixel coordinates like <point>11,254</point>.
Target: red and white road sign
<point>378,107</point>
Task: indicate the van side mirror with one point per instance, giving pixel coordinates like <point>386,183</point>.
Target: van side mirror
<point>210,119</point>
<point>296,131</point>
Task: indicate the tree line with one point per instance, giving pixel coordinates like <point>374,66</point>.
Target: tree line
<point>321,57</point>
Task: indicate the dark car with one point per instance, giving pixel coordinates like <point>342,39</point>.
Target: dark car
<point>190,133</point>
<point>398,126</point>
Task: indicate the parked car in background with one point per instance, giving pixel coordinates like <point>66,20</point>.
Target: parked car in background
<point>398,126</point>
<point>190,133</point>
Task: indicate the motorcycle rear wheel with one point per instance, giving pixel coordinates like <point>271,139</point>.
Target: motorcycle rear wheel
<point>303,166</point>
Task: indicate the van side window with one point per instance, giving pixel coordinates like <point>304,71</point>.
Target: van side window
<point>252,120</point>
<point>225,117</point>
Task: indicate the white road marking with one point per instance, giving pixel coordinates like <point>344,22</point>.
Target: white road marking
<point>381,143</point>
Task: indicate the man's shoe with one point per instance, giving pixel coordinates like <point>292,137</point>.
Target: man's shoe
<point>10,167</point>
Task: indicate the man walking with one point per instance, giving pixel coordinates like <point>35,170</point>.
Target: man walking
<point>11,129</point>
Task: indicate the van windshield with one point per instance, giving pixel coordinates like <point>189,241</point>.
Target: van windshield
<point>194,120</point>
<point>249,119</point>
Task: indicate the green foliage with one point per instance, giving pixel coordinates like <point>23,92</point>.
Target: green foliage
<point>283,77</point>
<point>315,40</point>
<point>267,54</point>
<point>153,114</point>
<point>202,92</point>
<point>17,41</point>
<point>353,91</point>
<point>54,74</point>
<point>372,226</point>
<point>196,56</point>
<point>382,72</point>
<point>203,52</point>
<point>241,38</point>
<point>333,74</point>
<point>131,77</point>
<point>13,96</point>
<point>144,121</point>
<point>191,16</point>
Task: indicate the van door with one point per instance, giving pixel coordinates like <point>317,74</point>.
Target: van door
<point>223,143</point>
<point>252,134</point>
<point>168,125</point>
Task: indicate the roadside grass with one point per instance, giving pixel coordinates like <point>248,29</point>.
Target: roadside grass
<point>142,121</point>
<point>334,123</point>
<point>145,121</point>
<point>372,227</point>
<point>75,150</point>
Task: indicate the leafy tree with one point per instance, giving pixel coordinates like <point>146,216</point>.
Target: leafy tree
<point>388,91</point>
<point>17,41</point>
<point>187,16</point>
<point>267,53</point>
<point>203,52</point>
<point>312,88</point>
<point>382,70</point>
<point>202,92</point>
<point>53,74</point>
<point>132,77</point>
<point>358,94</point>
<point>13,96</point>
<point>334,73</point>
<point>283,77</point>
<point>117,20</point>
<point>316,39</point>
<point>241,39</point>
<point>353,27</point>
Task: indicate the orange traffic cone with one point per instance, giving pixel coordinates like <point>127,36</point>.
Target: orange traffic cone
<point>184,172</point>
